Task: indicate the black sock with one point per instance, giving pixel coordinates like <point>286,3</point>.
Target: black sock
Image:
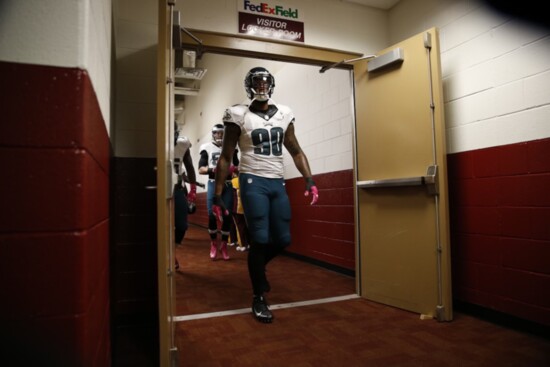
<point>256,267</point>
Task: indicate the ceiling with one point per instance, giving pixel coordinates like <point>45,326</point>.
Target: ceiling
<point>380,4</point>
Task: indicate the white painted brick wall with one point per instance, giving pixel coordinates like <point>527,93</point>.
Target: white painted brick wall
<point>64,33</point>
<point>324,127</point>
<point>495,71</point>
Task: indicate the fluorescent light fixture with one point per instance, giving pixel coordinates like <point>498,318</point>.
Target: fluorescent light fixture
<point>190,73</point>
<point>379,4</point>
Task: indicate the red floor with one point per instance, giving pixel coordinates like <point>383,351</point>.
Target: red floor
<point>353,332</point>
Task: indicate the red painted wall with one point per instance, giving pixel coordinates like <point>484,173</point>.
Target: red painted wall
<point>54,222</point>
<point>500,228</point>
<point>324,231</point>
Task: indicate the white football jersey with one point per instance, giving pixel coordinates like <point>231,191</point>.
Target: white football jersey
<point>261,139</point>
<point>213,152</point>
<point>182,146</point>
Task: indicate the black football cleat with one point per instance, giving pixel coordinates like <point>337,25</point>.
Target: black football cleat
<point>261,310</point>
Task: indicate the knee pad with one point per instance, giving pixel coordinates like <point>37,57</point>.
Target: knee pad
<point>259,236</point>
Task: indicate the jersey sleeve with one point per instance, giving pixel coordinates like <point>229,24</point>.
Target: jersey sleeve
<point>182,145</point>
<point>287,111</point>
<point>235,115</point>
<point>203,148</point>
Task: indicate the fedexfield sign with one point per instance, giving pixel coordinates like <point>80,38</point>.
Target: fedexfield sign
<point>270,19</point>
<point>269,10</point>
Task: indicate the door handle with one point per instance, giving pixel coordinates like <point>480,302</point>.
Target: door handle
<point>430,180</point>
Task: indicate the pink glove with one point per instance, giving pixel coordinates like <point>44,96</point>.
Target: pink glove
<point>192,195</point>
<point>219,209</point>
<point>311,188</point>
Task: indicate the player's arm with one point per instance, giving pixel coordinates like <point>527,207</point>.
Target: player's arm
<point>203,163</point>
<point>296,152</point>
<point>189,168</point>
<point>190,176</point>
<point>230,138</point>
<point>301,162</point>
<point>236,158</point>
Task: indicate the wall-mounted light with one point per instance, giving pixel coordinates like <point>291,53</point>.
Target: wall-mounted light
<point>186,65</point>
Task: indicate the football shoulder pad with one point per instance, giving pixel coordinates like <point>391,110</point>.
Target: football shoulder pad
<point>286,111</point>
<point>235,114</point>
<point>204,147</point>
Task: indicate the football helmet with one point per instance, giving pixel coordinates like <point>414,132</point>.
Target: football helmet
<point>217,134</point>
<point>259,84</point>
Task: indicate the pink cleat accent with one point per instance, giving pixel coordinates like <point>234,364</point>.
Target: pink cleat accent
<point>223,248</point>
<point>213,249</point>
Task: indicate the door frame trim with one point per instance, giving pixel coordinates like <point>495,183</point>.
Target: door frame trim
<point>262,48</point>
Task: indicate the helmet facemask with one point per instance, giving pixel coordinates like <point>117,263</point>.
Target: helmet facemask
<point>259,84</point>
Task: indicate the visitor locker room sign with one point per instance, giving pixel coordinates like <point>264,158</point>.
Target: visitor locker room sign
<point>271,20</point>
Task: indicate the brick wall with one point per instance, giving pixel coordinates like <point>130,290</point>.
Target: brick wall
<point>54,222</point>
<point>500,228</point>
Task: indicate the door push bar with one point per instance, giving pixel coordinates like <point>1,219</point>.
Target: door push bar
<point>430,180</point>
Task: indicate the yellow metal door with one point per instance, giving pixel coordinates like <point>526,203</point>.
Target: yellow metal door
<point>402,204</point>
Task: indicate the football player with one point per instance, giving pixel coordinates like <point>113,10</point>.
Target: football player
<point>261,129</point>
<point>209,155</point>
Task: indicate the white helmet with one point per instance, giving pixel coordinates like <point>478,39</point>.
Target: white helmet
<point>217,134</point>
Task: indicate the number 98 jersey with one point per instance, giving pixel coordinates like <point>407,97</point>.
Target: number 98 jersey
<point>261,139</point>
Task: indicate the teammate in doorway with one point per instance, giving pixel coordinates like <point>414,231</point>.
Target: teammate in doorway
<point>209,155</point>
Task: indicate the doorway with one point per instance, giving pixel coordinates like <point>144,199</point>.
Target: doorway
<point>419,45</point>
<point>322,105</point>
<point>217,44</point>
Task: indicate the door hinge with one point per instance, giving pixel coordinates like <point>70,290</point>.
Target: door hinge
<point>428,40</point>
